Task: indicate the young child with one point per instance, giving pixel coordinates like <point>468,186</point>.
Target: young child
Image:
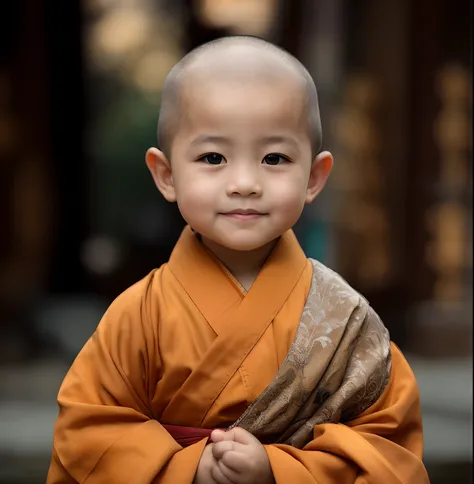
<point>240,361</point>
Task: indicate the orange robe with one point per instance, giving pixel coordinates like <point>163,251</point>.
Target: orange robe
<point>186,346</point>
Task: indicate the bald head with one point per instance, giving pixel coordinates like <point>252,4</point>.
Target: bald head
<point>242,58</point>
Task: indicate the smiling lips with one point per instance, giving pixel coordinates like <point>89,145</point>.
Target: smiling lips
<point>244,214</point>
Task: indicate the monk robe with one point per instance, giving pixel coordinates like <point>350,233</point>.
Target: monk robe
<point>301,361</point>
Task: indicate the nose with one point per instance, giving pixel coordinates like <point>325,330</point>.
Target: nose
<point>244,181</point>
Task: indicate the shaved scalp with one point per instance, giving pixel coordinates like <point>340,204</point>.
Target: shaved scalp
<point>256,59</point>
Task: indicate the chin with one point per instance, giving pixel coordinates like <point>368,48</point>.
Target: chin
<point>243,245</point>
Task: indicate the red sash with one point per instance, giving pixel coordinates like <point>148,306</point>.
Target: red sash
<point>187,435</point>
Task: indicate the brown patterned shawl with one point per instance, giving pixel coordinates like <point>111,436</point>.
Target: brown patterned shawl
<point>336,368</point>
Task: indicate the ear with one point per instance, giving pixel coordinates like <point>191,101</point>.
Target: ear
<point>318,176</point>
<point>160,170</point>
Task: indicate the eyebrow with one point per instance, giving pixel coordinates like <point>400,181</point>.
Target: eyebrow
<point>280,139</point>
<point>209,138</point>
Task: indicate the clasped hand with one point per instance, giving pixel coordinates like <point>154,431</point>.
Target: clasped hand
<point>234,457</point>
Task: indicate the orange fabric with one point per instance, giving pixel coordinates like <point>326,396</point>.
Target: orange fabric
<point>185,346</point>
<point>383,445</point>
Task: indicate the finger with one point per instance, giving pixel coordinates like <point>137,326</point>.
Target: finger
<point>217,435</point>
<point>220,435</point>
<point>219,476</point>
<point>235,461</point>
<point>242,436</point>
<point>220,448</point>
<point>231,474</point>
<point>237,434</point>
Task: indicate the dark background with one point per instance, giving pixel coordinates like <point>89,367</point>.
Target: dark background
<point>80,219</point>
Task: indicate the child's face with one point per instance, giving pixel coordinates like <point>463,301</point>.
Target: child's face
<point>241,161</point>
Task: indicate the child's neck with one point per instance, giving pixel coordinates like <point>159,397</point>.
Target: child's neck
<point>243,264</point>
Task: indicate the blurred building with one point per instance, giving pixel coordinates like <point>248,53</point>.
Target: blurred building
<point>80,219</point>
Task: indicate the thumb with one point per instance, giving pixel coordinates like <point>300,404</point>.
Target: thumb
<point>236,434</point>
<point>242,436</point>
<point>218,435</point>
<point>223,435</point>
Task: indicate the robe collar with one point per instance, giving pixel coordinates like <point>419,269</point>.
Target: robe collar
<point>239,321</point>
<point>213,288</point>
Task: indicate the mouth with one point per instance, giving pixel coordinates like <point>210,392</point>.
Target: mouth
<point>244,214</point>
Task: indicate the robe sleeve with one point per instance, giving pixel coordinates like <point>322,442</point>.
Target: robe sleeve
<point>383,445</point>
<point>105,431</point>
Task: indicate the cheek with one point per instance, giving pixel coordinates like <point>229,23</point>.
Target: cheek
<point>289,193</point>
<point>194,193</point>
<point>290,206</point>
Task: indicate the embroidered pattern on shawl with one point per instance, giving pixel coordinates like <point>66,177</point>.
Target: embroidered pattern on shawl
<point>337,367</point>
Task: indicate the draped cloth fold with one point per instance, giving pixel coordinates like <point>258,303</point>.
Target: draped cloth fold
<point>301,361</point>
<point>336,368</point>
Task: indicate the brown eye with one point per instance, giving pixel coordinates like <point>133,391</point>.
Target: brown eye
<point>213,158</point>
<point>274,159</point>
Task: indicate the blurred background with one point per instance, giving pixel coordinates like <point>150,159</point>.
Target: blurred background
<point>80,218</point>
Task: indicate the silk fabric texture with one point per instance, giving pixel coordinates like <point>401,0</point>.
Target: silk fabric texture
<point>186,346</point>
